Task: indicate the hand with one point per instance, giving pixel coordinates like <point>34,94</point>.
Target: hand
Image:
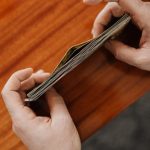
<point>39,133</point>
<point>140,14</point>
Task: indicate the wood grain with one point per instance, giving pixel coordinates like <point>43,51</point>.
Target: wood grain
<point>36,34</point>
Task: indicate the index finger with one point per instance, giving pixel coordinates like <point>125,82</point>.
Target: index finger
<point>14,82</point>
<point>10,93</point>
<point>105,16</point>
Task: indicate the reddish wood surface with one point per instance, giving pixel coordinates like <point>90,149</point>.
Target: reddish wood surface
<point>36,34</point>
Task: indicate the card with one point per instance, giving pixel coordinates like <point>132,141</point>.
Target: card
<point>76,55</point>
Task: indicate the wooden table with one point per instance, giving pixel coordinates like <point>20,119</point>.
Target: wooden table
<point>36,34</point>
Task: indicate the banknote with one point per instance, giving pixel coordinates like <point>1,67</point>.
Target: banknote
<point>76,55</point>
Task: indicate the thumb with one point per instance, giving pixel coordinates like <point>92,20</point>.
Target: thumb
<point>133,7</point>
<point>56,104</point>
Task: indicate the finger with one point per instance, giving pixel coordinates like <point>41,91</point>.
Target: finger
<point>13,84</point>
<point>92,2</point>
<point>57,106</point>
<point>40,71</point>
<point>123,52</point>
<point>36,78</point>
<point>136,9</point>
<point>104,17</point>
<point>11,96</point>
<point>131,6</point>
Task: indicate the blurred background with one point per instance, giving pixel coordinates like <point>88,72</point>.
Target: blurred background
<point>129,131</point>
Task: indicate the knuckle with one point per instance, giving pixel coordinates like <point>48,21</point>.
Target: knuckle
<point>110,5</point>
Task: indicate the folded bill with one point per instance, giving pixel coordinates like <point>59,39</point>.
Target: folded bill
<point>76,55</point>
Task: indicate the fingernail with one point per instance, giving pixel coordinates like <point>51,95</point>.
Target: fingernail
<point>40,71</point>
<point>26,100</point>
<point>94,34</point>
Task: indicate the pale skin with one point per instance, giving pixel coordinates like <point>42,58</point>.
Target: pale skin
<point>58,132</point>
<point>140,12</point>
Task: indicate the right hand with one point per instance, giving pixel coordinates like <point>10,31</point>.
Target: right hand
<point>140,13</point>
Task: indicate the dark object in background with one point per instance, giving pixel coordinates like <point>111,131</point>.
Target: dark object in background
<point>129,131</point>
